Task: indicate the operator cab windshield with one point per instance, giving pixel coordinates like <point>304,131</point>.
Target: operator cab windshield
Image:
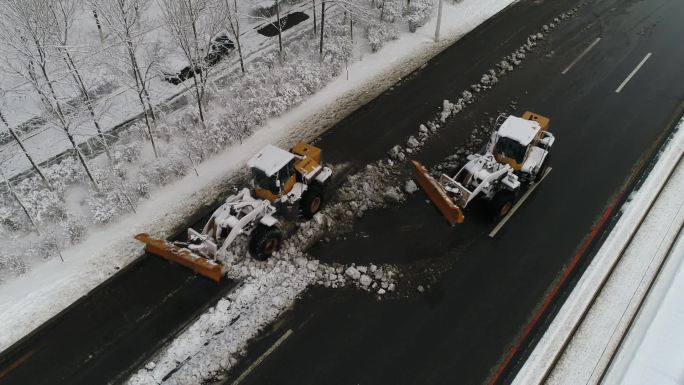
<point>510,149</point>
<point>263,181</point>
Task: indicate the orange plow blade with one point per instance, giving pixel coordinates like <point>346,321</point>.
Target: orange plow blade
<point>437,195</point>
<point>185,257</point>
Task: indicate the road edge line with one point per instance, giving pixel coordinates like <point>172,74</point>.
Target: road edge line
<point>563,326</point>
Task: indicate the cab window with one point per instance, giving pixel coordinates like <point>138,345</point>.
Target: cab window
<point>263,181</point>
<point>286,172</point>
<point>511,149</point>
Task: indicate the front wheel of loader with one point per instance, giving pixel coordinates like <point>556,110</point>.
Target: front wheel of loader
<point>502,203</point>
<point>264,242</point>
<point>312,201</point>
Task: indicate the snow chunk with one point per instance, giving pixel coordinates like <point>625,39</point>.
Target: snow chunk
<point>410,186</point>
<point>353,273</point>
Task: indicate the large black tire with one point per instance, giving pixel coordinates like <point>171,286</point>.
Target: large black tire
<point>312,201</point>
<point>264,242</point>
<point>542,169</point>
<point>501,204</point>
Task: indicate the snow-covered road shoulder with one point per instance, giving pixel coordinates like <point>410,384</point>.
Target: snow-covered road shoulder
<point>579,345</point>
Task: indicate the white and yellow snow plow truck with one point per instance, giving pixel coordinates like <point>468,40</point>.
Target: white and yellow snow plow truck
<point>285,184</point>
<point>517,154</point>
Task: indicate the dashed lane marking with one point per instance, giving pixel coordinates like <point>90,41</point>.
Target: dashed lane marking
<point>631,75</point>
<point>578,58</point>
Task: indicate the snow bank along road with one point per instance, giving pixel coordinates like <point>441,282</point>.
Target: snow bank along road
<point>468,326</point>
<point>461,329</point>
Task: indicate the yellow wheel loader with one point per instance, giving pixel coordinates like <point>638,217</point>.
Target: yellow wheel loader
<point>285,184</point>
<point>517,154</point>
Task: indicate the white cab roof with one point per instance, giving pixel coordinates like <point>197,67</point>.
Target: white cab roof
<point>270,159</point>
<point>519,129</point>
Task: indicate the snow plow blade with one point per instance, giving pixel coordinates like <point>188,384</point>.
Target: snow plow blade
<point>185,257</point>
<point>437,195</point>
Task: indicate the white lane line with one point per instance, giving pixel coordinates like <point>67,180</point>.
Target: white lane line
<point>631,75</point>
<point>263,357</point>
<point>518,204</point>
<point>578,58</point>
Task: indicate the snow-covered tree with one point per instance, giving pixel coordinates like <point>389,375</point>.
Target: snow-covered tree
<point>233,25</point>
<point>8,186</point>
<point>26,28</point>
<point>194,24</point>
<point>122,19</point>
<point>63,12</point>
<point>17,138</point>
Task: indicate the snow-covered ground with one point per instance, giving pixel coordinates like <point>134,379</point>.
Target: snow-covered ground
<point>580,343</point>
<point>35,296</point>
<point>654,349</point>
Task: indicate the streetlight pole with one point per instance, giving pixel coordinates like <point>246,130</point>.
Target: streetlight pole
<point>439,20</point>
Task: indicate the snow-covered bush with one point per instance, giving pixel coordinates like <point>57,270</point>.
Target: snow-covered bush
<point>390,9</point>
<point>74,230</point>
<point>418,13</point>
<point>11,265</point>
<point>380,33</point>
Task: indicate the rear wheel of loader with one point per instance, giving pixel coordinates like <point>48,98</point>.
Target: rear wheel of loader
<point>312,201</point>
<point>542,169</point>
<point>502,204</point>
<point>265,241</point>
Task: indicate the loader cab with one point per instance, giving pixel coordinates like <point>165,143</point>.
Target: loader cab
<point>517,136</point>
<point>273,173</point>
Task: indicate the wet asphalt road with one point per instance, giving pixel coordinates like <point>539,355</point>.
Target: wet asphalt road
<point>459,330</point>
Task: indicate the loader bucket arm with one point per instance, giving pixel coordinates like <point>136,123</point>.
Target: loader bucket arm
<point>437,195</point>
<point>182,256</point>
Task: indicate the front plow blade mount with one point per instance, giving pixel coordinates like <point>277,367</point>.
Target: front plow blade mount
<point>437,195</point>
<point>185,257</point>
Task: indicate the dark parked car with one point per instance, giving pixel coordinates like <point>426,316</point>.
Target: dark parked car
<point>221,46</point>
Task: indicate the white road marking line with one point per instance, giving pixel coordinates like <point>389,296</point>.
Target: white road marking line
<point>578,58</point>
<point>263,357</point>
<point>631,75</point>
<point>518,204</point>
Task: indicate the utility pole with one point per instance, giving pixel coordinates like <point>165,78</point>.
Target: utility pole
<point>439,20</point>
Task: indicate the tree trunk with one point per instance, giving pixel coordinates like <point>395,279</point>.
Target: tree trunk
<point>237,37</point>
<point>99,27</point>
<point>322,26</point>
<point>139,88</point>
<point>198,97</point>
<point>84,93</point>
<point>242,62</point>
<point>23,149</point>
<point>62,118</point>
<point>19,201</point>
<point>280,37</point>
<point>351,26</point>
<point>313,11</point>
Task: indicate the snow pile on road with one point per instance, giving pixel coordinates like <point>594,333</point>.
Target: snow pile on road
<point>215,342</point>
<point>268,288</point>
<point>51,286</point>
